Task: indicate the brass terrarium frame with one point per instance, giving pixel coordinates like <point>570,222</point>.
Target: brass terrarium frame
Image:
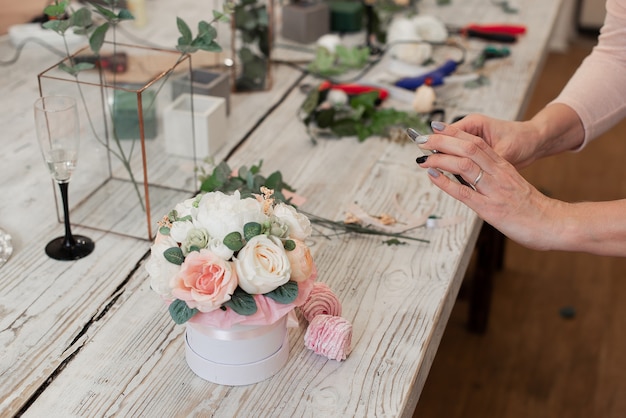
<point>120,105</point>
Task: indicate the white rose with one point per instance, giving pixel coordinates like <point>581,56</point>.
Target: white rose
<point>299,225</point>
<point>180,229</point>
<point>160,270</point>
<point>218,248</point>
<point>329,42</point>
<point>262,265</point>
<point>187,207</point>
<point>430,29</point>
<point>222,214</point>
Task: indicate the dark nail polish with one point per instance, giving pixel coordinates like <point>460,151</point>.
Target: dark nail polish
<point>422,159</point>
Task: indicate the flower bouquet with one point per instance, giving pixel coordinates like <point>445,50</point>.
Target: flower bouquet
<point>233,269</point>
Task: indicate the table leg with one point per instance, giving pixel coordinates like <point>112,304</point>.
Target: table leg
<point>489,259</point>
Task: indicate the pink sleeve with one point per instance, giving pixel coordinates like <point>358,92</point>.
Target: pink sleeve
<point>597,91</point>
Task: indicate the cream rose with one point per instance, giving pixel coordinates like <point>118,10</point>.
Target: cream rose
<point>262,265</point>
<point>299,225</point>
<point>205,281</point>
<point>301,262</point>
<point>159,269</point>
<point>222,214</point>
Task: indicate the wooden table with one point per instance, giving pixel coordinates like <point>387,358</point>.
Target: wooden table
<point>89,338</point>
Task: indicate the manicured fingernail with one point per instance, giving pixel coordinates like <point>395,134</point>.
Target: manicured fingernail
<point>433,172</point>
<point>422,159</point>
<point>437,126</point>
<point>416,137</point>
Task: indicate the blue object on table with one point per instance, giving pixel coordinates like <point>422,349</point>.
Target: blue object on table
<point>432,78</point>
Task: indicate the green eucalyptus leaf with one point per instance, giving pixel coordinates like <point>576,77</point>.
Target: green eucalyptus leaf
<point>109,15</point>
<point>68,69</point>
<point>164,230</point>
<point>82,66</point>
<point>55,10</point>
<point>81,18</point>
<point>207,31</point>
<point>96,40</point>
<point>174,255</point>
<point>59,26</point>
<point>310,103</point>
<point>251,230</point>
<point>284,294</point>
<point>289,245</point>
<point>234,241</point>
<point>325,117</point>
<point>220,17</point>
<point>180,312</point>
<point>184,30</point>
<point>125,14</point>
<point>242,303</point>
<point>367,100</point>
<point>274,181</point>
<point>344,127</point>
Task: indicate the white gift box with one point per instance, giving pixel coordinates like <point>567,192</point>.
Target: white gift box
<point>209,113</point>
<point>240,355</point>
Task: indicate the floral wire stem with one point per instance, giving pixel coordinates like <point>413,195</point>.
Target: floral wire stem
<point>346,228</point>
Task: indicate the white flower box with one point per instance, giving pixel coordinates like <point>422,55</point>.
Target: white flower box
<point>209,114</point>
<point>240,355</point>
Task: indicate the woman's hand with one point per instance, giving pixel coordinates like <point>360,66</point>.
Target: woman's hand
<point>555,129</point>
<point>513,141</point>
<point>500,195</point>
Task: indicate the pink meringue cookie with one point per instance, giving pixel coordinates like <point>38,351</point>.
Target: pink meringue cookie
<point>321,301</point>
<point>329,336</point>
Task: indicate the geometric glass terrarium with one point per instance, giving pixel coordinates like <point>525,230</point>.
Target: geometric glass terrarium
<point>125,179</point>
<point>252,26</point>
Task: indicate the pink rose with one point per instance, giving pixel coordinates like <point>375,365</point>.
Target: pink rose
<point>301,261</point>
<point>205,281</point>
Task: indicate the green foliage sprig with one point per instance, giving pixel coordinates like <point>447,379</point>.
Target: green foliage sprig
<point>328,64</point>
<point>247,181</point>
<point>250,181</point>
<point>252,22</point>
<point>361,116</point>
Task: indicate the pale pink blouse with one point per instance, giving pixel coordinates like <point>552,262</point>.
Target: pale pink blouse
<point>597,91</point>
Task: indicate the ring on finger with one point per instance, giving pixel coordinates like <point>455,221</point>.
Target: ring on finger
<point>478,177</point>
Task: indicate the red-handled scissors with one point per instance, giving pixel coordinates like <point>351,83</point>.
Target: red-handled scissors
<point>504,33</point>
<point>503,29</point>
<point>354,89</point>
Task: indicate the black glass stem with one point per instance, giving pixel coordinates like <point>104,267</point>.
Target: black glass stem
<point>69,246</point>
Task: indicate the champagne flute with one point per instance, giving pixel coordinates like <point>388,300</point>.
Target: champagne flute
<point>56,121</point>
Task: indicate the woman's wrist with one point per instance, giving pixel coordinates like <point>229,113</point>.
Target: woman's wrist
<point>555,129</point>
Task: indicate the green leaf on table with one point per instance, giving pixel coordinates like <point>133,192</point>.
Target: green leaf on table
<point>324,118</point>
<point>344,127</point>
<point>174,255</point>
<point>284,294</point>
<point>164,230</point>
<point>242,303</point>
<point>234,241</point>
<point>180,312</point>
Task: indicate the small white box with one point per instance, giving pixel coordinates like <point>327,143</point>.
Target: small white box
<point>209,113</point>
<point>240,355</point>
